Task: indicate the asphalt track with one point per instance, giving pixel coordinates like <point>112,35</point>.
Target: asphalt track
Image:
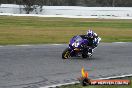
<point>35,66</point>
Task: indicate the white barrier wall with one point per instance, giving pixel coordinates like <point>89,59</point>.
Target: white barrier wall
<point>70,10</point>
<point>89,11</point>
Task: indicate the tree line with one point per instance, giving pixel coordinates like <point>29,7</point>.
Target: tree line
<point>90,3</point>
<point>30,5</point>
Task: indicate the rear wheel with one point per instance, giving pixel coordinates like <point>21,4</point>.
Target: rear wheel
<point>66,53</point>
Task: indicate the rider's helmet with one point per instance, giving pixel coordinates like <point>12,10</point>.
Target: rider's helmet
<point>90,34</point>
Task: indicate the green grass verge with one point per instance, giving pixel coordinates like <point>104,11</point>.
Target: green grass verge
<point>36,30</point>
<point>99,86</point>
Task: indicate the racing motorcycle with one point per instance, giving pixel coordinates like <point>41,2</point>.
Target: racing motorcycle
<point>77,48</point>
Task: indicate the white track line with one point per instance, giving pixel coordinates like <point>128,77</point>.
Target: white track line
<point>120,42</point>
<point>31,45</point>
<point>52,44</point>
<point>57,85</point>
<point>117,76</point>
<point>56,44</point>
<point>23,45</point>
<point>53,86</point>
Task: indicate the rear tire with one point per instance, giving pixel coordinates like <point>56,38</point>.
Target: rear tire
<point>66,53</point>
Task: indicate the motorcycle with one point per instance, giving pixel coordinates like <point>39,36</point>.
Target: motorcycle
<point>77,47</point>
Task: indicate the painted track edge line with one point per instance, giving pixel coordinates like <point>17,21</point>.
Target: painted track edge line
<point>121,42</point>
<point>56,44</point>
<point>23,45</point>
<point>31,45</point>
<point>52,44</point>
<point>112,77</point>
<point>57,85</point>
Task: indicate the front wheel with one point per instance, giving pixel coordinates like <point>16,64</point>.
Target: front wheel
<point>66,53</point>
<point>84,55</point>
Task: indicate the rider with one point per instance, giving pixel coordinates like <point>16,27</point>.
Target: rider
<point>93,40</point>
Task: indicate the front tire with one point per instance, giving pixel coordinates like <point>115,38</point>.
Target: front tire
<point>84,55</point>
<point>66,53</point>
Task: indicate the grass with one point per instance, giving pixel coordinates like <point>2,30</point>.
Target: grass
<point>36,30</point>
<point>100,86</point>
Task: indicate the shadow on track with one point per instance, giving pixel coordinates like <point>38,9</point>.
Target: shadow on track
<point>86,59</point>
